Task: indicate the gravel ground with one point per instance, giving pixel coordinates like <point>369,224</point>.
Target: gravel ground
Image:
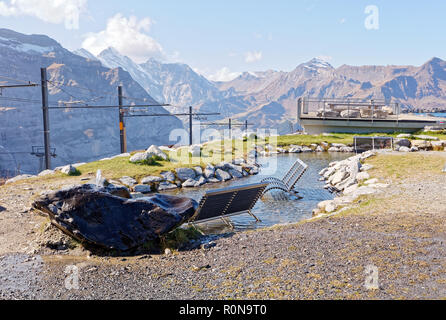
<point>400,232</point>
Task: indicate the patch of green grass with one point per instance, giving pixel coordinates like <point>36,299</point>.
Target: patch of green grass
<point>153,161</point>
<point>180,236</point>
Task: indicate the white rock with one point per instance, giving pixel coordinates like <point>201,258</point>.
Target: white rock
<point>19,178</point>
<point>46,173</point>
<point>68,169</point>
<point>157,152</point>
<point>141,156</point>
<point>404,149</point>
<point>201,181</point>
<point>295,149</point>
<point>351,189</point>
<point>338,177</point>
<point>362,176</point>
<point>371,181</point>
<point>333,149</point>
<point>331,207</point>
<point>366,167</point>
<point>189,183</point>
<point>167,186</point>
<point>379,185</point>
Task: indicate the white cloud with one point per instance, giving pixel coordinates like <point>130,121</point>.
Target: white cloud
<point>128,36</point>
<point>52,11</point>
<point>342,21</point>
<point>253,56</point>
<point>224,74</point>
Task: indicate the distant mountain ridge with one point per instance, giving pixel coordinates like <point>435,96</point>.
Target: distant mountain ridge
<point>248,96</point>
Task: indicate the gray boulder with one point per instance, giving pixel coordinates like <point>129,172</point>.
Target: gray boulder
<point>209,171</point>
<point>142,188</point>
<point>117,190</point>
<point>128,181</point>
<point>235,173</point>
<point>403,143</point>
<point>69,169</point>
<point>185,174</point>
<point>201,181</point>
<point>404,149</point>
<point>168,175</point>
<point>151,179</point>
<point>141,156</point>
<point>164,186</point>
<point>189,183</point>
<point>101,219</point>
<point>19,178</point>
<point>222,175</point>
<point>198,171</point>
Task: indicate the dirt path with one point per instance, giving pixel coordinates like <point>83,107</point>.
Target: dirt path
<point>401,233</point>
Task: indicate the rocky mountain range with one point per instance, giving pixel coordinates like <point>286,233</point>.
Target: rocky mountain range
<point>269,98</point>
<point>77,134</point>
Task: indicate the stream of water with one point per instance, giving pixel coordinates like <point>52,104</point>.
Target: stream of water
<point>270,210</point>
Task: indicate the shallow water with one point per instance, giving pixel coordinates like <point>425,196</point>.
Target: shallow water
<point>270,210</point>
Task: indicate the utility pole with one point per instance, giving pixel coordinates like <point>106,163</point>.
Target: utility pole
<point>122,133</point>
<point>190,126</point>
<point>246,125</point>
<point>46,118</point>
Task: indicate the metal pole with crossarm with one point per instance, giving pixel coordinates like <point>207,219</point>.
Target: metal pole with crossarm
<point>46,119</point>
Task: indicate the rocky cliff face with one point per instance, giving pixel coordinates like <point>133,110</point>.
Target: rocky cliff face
<point>172,83</point>
<point>78,135</point>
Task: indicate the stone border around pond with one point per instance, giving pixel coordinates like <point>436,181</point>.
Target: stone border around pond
<point>403,143</point>
<point>349,179</point>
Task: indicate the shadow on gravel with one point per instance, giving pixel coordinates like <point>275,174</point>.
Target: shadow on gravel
<point>158,247</point>
<point>2,209</point>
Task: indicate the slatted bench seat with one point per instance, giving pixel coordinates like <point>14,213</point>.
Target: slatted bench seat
<point>228,202</point>
<point>290,179</point>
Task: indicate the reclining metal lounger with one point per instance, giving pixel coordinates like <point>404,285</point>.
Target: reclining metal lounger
<point>290,179</point>
<point>224,203</point>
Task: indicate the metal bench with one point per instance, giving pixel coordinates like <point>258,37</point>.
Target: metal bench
<point>290,179</point>
<point>225,203</point>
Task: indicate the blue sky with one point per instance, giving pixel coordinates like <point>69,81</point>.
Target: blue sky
<point>226,37</point>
